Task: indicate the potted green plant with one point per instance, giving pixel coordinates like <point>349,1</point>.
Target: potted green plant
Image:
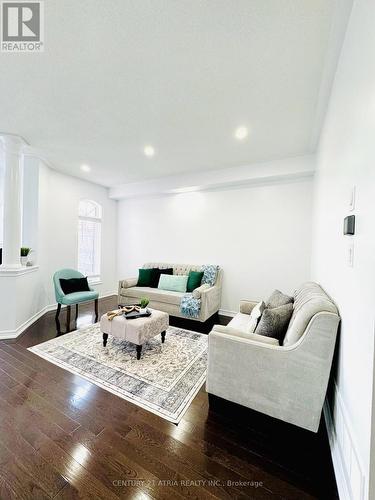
<point>143,304</point>
<point>24,254</point>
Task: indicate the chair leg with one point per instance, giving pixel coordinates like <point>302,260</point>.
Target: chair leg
<point>96,310</point>
<point>76,312</point>
<point>58,327</point>
<point>68,311</point>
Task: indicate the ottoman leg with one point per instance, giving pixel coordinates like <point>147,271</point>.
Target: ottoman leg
<point>105,338</point>
<point>139,350</point>
<point>96,311</point>
<point>163,337</point>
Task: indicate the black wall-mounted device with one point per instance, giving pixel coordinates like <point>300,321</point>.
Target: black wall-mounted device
<point>349,225</point>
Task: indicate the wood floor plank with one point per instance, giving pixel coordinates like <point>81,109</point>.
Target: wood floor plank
<point>71,468</point>
<point>61,399</point>
<point>81,392</point>
<point>232,457</point>
<point>114,444</point>
<point>47,477</point>
<point>32,400</point>
<point>229,453</point>
<point>154,455</point>
<point>14,474</point>
<point>200,463</point>
<point>109,470</point>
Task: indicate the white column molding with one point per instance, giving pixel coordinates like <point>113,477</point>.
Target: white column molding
<point>12,152</point>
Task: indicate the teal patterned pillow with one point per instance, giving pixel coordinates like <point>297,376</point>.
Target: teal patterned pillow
<point>209,274</point>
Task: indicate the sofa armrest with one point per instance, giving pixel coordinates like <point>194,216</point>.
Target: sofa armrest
<point>197,293</point>
<point>228,330</point>
<point>128,282</point>
<point>246,306</point>
<point>210,301</point>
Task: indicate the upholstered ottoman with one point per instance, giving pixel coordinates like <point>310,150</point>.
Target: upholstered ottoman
<point>137,331</point>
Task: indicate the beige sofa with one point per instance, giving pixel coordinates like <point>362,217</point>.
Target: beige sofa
<point>167,301</point>
<point>288,382</point>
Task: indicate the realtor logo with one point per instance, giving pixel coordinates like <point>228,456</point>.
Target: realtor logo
<point>22,26</point>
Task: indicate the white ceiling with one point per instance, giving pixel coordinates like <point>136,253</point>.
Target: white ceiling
<point>179,75</point>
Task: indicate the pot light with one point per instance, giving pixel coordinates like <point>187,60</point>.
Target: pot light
<point>241,133</point>
<point>85,168</point>
<point>149,151</point>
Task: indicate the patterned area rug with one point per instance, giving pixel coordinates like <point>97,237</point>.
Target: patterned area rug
<point>164,381</point>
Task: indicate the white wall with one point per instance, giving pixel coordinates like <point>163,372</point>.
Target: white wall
<point>347,158</point>
<point>59,196</point>
<point>260,235</point>
<point>51,215</point>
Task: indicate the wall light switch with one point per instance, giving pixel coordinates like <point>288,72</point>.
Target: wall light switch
<point>351,254</point>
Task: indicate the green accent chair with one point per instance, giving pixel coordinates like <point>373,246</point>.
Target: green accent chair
<point>71,298</point>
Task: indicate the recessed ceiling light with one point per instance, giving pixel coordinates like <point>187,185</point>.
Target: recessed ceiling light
<point>149,151</point>
<point>241,133</point>
<point>85,168</point>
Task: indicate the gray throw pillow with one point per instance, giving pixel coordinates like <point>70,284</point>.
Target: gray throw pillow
<point>274,322</point>
<point>278,299</point>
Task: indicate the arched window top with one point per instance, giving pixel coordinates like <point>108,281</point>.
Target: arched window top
<point>90,209</point>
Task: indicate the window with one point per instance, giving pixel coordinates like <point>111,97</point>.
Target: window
<point>89,239</point>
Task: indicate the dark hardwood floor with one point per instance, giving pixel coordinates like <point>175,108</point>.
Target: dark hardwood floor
<point>63,437</point>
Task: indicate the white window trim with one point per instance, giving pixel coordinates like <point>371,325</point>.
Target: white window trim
<point>93,279</point>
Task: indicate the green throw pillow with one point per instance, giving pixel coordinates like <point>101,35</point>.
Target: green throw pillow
<point>194,281</point>
<point>144,277</point>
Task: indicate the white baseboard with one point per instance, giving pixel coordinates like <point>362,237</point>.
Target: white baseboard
<point>13,334</point>
<point>349,474</point>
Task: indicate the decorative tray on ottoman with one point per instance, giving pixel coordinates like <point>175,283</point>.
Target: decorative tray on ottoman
<point>137,314</point>
<point>133,312</point>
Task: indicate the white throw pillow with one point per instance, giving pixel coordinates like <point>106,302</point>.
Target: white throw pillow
<point>255,315</point>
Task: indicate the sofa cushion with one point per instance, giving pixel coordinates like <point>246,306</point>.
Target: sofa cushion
<point>173,283</point>
<point>194,281</point>
<point>274,322</point>
<point>239,322</point>
<point>154,294</point>
<point>255,316</point>
<point>209,274</point>
<point>73,285</point>
<point>144,277</point>
<point>309,299</point>
<point>78,297</point>
<point>278,299</point>
<point>156,273</point>
<point>228,330</point>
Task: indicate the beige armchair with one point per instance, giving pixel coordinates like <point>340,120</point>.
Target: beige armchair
<point>288,382</point>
